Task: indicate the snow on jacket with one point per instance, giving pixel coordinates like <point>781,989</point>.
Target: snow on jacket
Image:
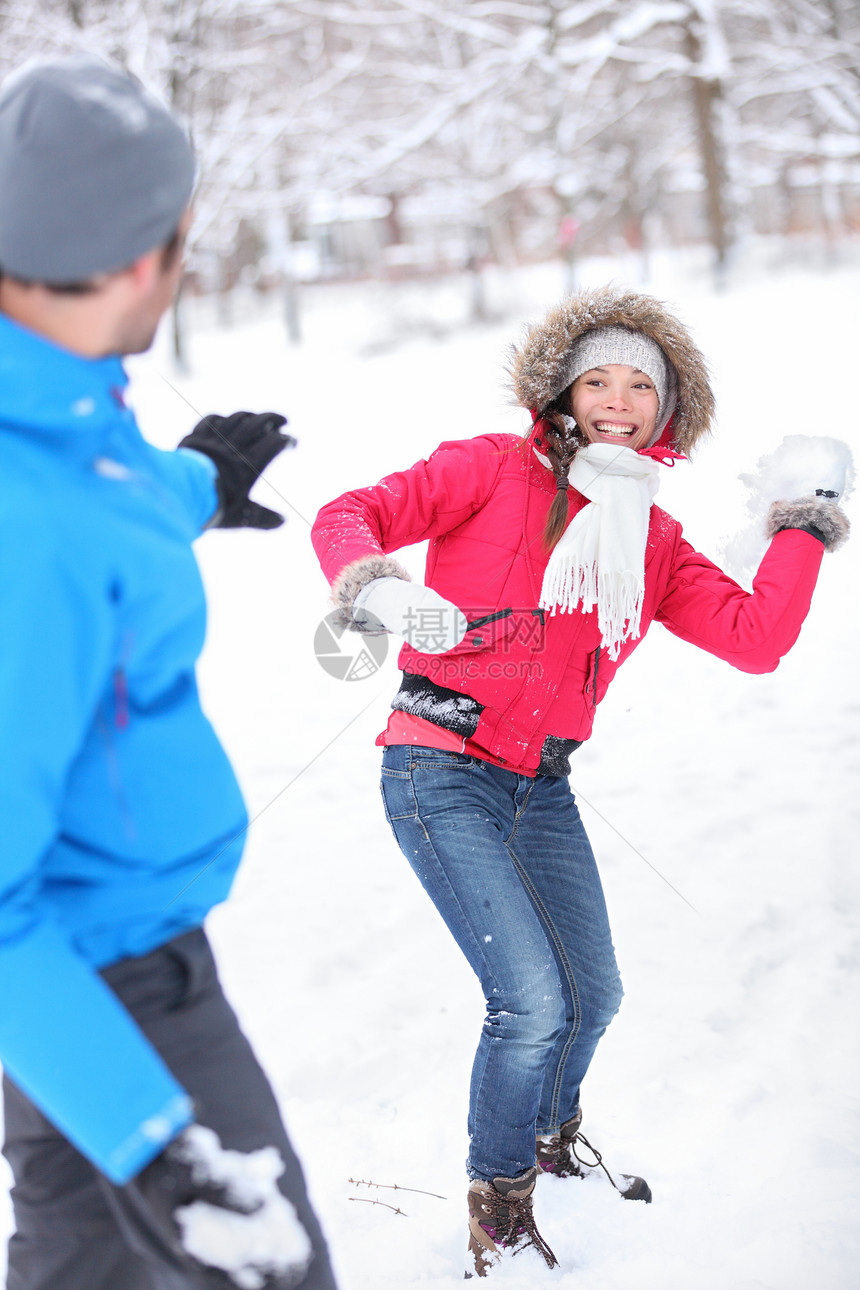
<point>121,815</point>
<point>483,504</point>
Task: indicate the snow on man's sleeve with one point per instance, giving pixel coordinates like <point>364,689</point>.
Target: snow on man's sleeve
<point>64,1038</point>
<point>429,499</point>
<point>751,630</point>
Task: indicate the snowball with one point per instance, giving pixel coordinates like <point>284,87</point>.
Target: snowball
<point>801,464</point>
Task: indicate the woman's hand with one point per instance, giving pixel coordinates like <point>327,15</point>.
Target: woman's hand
<point>423,618</point>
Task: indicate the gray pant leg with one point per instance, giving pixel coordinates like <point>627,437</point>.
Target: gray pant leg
<point>175,996</point>
<point>67,1238</point>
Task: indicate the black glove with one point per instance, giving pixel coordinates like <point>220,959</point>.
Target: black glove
<point>241,445</point>
<point>189,1205</point>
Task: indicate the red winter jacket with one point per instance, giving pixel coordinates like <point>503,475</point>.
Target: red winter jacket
<point>483,504</point>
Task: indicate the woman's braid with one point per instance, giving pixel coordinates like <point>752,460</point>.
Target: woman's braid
<point>561,442</point>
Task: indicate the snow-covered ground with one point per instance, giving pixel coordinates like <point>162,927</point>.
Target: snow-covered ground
<point>730,1078</point>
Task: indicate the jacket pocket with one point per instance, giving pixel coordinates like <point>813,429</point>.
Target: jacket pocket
<point>487,629</point>
<point>501,629</point>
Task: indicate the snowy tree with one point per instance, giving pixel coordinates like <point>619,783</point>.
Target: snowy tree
<point>512,120</point>
<point>797,92</point>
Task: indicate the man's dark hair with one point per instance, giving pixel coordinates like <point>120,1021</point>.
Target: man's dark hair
<point>172,250</point>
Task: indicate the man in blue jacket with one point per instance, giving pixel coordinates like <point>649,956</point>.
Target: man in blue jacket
<point>145,1143</point>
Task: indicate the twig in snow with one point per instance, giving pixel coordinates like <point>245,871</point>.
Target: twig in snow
<point>363,1182</point>
<point>369,1201</point>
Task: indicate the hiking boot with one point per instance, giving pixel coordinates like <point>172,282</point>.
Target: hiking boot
<point>500,1219</point>
<point>558,1153</point>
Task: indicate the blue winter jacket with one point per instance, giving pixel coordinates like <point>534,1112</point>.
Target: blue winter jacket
<point>122,822</point>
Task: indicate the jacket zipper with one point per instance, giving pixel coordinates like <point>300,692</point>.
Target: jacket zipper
<point>120,690</point>
<point>592,684</point>
<point>490,618</point>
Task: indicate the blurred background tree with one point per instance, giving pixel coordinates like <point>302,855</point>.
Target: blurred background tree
<point>396,138</point>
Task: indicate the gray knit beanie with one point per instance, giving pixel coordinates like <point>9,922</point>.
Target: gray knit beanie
<point>624,345</point>
<point>94,170</point>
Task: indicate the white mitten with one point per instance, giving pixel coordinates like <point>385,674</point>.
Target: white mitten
<point>423,618</point>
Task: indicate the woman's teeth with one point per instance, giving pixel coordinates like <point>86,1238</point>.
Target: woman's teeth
<point>605,427</point>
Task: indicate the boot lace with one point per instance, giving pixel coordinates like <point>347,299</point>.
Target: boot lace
<point>559,1156</point>
<point>516,1226</point>
<point>596,1162</point>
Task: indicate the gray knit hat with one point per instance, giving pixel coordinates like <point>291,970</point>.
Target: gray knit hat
<point>623,345</point>
<point>94,170</point>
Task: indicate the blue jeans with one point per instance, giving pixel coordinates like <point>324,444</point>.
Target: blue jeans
<point>506,861</point>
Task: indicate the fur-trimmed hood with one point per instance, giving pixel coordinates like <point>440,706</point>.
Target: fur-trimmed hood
<point>540,364</point>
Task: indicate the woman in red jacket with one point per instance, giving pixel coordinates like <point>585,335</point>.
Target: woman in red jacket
<point>547,563</point>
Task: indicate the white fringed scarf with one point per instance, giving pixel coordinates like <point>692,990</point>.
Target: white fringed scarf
<point>600,558</point>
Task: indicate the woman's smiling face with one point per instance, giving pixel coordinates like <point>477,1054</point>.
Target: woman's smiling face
<point>615,404</point>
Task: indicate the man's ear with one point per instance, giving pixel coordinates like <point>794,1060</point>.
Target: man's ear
<point>144,271</point>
